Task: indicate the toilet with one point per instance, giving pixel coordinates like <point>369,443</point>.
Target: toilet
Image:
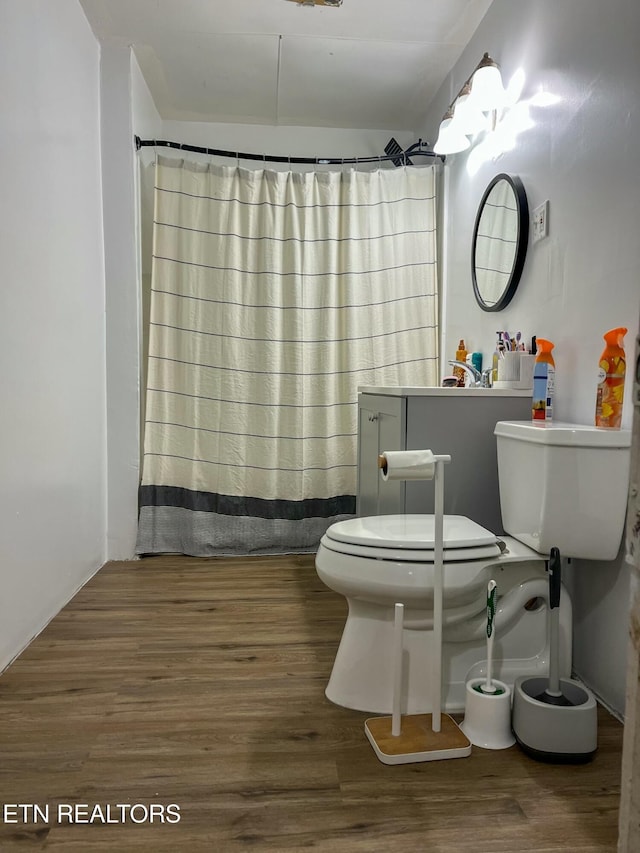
<point>561,485</point>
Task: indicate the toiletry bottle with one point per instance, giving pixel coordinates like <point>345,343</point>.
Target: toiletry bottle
<point>544,371</point>
<point>611,380</point>
<point>476,361</point>
<point>461,355</point>
<point>496,357</point>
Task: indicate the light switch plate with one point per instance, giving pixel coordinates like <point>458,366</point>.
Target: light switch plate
<point>540,221</point>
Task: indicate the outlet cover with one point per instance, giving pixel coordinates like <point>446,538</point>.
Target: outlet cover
<point>540,221</point>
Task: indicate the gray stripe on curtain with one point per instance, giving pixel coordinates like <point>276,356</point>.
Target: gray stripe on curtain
<point>243,505</point>
<point>174,530</point>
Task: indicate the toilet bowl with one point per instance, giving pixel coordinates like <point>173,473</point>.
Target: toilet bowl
<point>378,561</point>
<point>396,565</point>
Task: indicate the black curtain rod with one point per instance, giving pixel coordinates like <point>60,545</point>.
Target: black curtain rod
<point>399,158</point>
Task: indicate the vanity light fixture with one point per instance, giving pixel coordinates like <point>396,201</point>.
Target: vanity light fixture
<point>482,93</point>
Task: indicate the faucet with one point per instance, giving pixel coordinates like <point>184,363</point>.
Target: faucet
<point>478,380</point>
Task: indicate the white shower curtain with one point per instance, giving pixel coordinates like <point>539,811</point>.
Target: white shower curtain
<point>274,296</point>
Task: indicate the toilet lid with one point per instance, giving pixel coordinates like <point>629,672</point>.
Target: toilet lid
<point>460,556</point>
<point>411,537</point>
<point>410,531</point>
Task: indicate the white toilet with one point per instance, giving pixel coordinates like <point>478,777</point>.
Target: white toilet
<point>561,485</point>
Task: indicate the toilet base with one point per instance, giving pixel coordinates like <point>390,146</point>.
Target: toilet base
<point>362,675</point>
<point>417,741</point>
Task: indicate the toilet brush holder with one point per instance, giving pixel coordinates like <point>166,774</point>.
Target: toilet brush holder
<point>560,734</point>
<point>487,719</point>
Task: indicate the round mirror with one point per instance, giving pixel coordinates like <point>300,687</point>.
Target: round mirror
<point>500,239</point>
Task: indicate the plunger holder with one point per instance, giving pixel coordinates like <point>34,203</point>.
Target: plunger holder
<point>555,719</point>
<point>420,737</point>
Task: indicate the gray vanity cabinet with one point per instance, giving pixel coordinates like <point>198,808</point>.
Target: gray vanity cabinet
<point>454,421</point>
<point>381,426</point>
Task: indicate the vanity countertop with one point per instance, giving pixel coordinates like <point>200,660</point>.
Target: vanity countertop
<point>438,391</point>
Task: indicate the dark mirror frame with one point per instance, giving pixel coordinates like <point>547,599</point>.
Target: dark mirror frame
<point>521,245</point>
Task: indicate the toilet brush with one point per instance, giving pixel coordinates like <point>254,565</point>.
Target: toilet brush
<point>489,688</point>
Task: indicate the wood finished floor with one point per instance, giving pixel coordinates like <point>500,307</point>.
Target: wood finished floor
<point>201,683</point>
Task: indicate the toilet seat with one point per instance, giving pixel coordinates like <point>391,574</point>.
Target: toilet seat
<point>410,538</point>
<point>392,557</point>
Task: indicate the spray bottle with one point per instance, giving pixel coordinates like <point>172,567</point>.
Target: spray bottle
<point>611,380</point>
<point>544,372</point>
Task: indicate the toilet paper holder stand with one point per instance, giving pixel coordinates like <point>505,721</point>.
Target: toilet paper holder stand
<point>419,737</point>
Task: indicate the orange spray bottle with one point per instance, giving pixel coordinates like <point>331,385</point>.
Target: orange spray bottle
<point>544,371</point>
<point>611,373</point>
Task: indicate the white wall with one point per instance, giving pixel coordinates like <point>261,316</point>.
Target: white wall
<point>581,154</point>
<point>52,305</point>
<point>121,235</point>
<point>147,124</point>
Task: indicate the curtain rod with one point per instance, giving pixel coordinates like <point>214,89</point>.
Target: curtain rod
<point>399,157</point>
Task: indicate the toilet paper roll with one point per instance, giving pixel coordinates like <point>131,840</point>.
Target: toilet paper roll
<point>407,465</point>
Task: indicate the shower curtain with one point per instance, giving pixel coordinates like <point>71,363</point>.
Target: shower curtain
<point>274,296</point>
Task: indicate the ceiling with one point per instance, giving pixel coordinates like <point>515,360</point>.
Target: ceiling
<point>373,64</point>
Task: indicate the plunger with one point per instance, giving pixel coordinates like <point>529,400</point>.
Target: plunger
<point>553,695</point>
<point>555,719</point>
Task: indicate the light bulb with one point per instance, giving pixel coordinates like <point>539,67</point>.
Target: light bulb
<point>450,139</point>
<point>468,117</point>
<point>487,91</point>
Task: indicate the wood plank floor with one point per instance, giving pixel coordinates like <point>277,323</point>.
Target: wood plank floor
<point>201,683</point>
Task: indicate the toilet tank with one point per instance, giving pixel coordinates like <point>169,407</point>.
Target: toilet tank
<point>564,485</point>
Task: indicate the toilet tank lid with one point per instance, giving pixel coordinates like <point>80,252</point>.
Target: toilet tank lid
<point>558,433</point>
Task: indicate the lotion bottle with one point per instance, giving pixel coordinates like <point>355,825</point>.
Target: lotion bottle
<point>611,373</point>
<point>544,372</point>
